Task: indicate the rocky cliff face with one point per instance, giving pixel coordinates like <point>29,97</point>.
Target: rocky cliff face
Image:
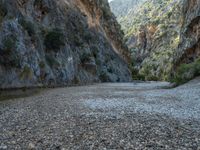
<point>187,56</point>
<point>163,37</point>
<point>60,42</point>
<point>158,40</point>
<point>189,49</point>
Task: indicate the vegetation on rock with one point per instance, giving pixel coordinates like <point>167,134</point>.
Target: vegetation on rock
<point>54,39</point>
<point>3,11</point>
<point>186,72</point>
<point>50,43</point>
<point>162,35</point>
<point>8,57</point>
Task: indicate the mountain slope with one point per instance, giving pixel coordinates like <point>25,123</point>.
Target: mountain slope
<point>163,36</point>
<point>50,42</point>
<point>152,33</point>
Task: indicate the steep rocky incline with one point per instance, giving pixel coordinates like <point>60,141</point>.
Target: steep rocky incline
<point>60,42</point>
<point>163,36</point>
<point>189,49</point>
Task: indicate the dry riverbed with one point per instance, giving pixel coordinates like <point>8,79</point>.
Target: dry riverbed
<point>143,115</point>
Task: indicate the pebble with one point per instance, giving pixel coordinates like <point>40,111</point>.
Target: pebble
<point>31,146</point>
<point>104,118</point>
<point>3,147</point>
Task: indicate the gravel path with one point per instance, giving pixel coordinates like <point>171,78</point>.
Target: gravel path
<point>104,116</point>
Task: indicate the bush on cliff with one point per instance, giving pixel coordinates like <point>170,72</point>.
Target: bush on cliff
<point>54,40</point>
<point>8,56</point>
<point>186,72</point>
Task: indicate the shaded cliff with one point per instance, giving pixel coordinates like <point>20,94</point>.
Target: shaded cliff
<point>59,42</point>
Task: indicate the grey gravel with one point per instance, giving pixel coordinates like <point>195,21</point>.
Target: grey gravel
<point>139,115</point>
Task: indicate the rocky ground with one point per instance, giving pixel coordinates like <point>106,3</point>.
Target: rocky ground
<point>139,115</point>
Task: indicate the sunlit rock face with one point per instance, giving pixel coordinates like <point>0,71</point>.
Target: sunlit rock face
<point>60,42</point>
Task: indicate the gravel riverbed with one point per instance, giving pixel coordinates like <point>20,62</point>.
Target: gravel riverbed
<point>138,115</point>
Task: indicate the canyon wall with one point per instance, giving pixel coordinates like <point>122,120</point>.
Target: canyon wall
<point>60,42</point>
<point>187,56</point>
<point>162,35</point>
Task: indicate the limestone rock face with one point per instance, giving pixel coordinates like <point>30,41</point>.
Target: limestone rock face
<point>189,48</point>
<point>60,42</point>
<point>187,56</point>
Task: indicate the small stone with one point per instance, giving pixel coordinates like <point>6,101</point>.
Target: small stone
<point>13,142</point>
<point>3,147</point>
<point>122,112</point>
<point>31,146</point>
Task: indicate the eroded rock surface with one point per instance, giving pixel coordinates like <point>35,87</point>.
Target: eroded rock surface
<point>59,42</point>
<point>189,49</point>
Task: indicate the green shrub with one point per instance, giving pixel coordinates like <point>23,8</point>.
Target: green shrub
<point>85,57</point>
<point>29,26</point>
<point>110,70</point>
<point>54,40</point>
<point>98,62</point>
<point>104,77</point>
<point>135,72</point>
<point>87,36</point>
<point>3,12</point>
<point>42,64</point>
<point>108,57</point>
<point>52,62</point>
<point>106,13</point>
<point>76,80</point>
<point>37,2</point>
<point>77,41</point>
<point>8,55</point>
<point>136,75</point>
<point>139,77</point>
<point>95,51</point>
<point>9,43</point>
<point>169,14</point>
<point>151,78</point>
<point>186,72</point>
